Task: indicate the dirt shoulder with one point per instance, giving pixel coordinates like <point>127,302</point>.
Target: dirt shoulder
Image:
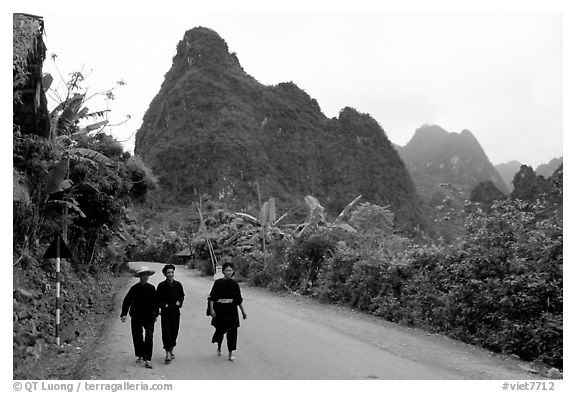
<point>87,305</point>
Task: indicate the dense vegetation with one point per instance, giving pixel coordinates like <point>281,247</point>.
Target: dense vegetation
<point>500,287</point>
<point>70,179</point>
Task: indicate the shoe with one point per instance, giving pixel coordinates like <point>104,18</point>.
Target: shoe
<point>168,359</point>
<point>230,357</point>
<point>219,352</point>
<point>139,360</point>
<point>147,364</point>
<point>172,356</point>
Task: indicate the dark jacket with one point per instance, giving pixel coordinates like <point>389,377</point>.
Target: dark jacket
<point>227,297</point>
<point>141,301</point>
<point>167,295</point>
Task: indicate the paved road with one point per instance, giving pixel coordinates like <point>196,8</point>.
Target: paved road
<point>288,337</point>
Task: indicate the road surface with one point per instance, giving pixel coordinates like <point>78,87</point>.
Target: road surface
<point>293,338</point>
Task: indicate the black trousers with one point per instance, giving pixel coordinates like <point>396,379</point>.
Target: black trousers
<point>170,325</point>
<point>142,337</point>
<point>231,337</point>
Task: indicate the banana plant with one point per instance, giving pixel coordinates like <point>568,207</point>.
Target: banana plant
<point>65,132</point>
<point>66,116</point>
<point>57,179</point>
<point>317,218</point>
<point>267,217</point>
<point>266,221</point>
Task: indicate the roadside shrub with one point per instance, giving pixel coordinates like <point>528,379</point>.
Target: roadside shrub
<point>306,257</point>
<point>332,277</point>
<point>501,289</point>
<point>242,266</point>
<point>365,283</point>
<point>157,251</point>
<point>266,271</point>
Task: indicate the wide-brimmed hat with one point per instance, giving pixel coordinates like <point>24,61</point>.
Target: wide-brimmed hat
<point>143,270</point>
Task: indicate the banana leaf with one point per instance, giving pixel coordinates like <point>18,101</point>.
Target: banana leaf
<point>248,218</point>
<point>315,208</point>
<point>98,113</point>
<point>81,114</point>
<point>72,107</point>
<point>346,210</point>
<point>268,213</point>
<point>56,176</point>
<point>264,214</point>
<point>91,127</point>
<point>271,211</point>
<point>91,154</point>
<point>70,205</point>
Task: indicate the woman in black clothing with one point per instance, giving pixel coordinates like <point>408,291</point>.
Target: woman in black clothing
<point>225,298</point>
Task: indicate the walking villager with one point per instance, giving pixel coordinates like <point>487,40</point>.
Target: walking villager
<point>223,303</point>
<point>141,303</point>
<point>170,295</point>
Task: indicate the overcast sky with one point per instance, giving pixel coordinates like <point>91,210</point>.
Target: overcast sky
<point>498,75</point>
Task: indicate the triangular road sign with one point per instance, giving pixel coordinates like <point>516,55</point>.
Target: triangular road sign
<point>52,251</point>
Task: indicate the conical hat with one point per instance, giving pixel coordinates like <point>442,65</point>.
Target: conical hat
<point>144,270</point>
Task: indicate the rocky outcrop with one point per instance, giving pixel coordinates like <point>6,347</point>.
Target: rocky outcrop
<point>529,186</point>
<point>213,129</point>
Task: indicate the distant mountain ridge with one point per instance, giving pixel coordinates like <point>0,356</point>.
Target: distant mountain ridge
<point>510,169</point>
<point>548,169</point>
<point>435,156</point>
<point>213,129</point>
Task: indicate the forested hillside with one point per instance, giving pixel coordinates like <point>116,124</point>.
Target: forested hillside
<point>213,129</point>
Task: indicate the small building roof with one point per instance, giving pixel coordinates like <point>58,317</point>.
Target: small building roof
<point>184,253</point>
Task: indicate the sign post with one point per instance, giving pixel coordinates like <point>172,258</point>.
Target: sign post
<point>58,249</point>
<point>210,248</point>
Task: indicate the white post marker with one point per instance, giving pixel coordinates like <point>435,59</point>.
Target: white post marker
<point>58,291</point>
<point>58,249</point>
<point>218,273</point>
